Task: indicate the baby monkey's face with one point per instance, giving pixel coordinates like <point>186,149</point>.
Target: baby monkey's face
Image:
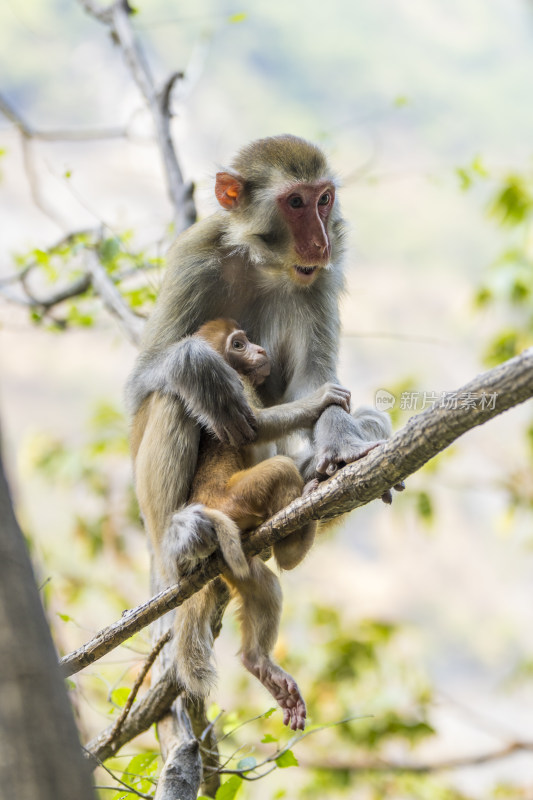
<point>246,358</point>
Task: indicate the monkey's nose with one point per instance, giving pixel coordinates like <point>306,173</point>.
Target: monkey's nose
<point>322,247</point>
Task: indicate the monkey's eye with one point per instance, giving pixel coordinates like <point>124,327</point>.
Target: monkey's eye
<point>324,200</point>
<point>237,344</point>
<point>296,201</point>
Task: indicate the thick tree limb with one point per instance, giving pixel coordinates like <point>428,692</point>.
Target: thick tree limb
<point>424,436</point>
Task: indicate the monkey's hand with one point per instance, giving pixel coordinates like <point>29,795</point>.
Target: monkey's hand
<point>341,439</point>
<point>327,395</point>
<point>212,391</point>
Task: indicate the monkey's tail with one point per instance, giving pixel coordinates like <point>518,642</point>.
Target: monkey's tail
<point>193,642</point>
<point>229,538</point>
<point>193,635</point>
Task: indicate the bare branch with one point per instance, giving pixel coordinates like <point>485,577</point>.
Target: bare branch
<point>112,299</point>
<point>117,17</point>
<point>65,134</point>
<point>13,116</point>
<point>76,288</point>
<point>153,705</point>
<point>166,91</point>
<point>424,436</point>
<point>121,719</point>
<point>439,766</point>
<point>95,10</point>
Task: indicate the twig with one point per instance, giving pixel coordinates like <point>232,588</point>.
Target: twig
<point>79,286</point>
<point>112,299</point>
<point>119,722</point>
<point>421,769</point>
<point>153,705</point>
<point>117,17</point>
<point>60,134</point>
<point>425,435</point>
<point>121,782</point>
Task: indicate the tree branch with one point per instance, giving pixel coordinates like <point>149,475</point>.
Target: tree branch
<point>117,17</point>
<point>459,762</point>
<point>153,705</point>
<point>424,436</point>
<point>62,134</point>
<point>113,733</point>
<point>131,324</point>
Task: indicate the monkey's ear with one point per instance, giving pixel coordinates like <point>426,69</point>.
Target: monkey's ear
<point>228,189</point>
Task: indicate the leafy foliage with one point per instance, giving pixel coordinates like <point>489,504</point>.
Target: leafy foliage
<point>72,302</point>
<point>509,284</point>
<point>139,774</point>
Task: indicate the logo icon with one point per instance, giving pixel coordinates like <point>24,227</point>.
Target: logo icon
<point>384,400</point>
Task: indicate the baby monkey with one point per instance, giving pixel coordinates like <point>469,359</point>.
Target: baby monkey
<point>236,489</point>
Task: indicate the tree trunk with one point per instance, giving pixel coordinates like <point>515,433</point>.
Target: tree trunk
<point>40,755</point>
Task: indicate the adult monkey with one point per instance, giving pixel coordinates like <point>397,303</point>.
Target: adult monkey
<point>271,258</point>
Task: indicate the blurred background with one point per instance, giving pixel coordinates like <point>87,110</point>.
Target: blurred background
<point>416,616</point>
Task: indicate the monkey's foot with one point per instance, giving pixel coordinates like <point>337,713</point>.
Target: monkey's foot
<point>283,689</point>
<point>190,537</point>
<point>310,487</point>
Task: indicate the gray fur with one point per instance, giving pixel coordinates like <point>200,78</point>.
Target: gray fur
<point>190,536</point>
<point>237,264</point>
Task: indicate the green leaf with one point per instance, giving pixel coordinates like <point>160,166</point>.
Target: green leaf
<point>513,204</point>
<point>287,759</point>
<point>229,789</point>
<point>483,297</point>
<point>268,713</point>
<point>65,617</point>
<point>424,506</point>
<point>119,696</point>
<point>139,773</point>
<point>109,250</point>
<point>505,346</point>
<point>246,764</point>
<point>479,168</point>
<point>213,712</point>
<point>465,180</point>
<point>267,739</point>
<point>520,291</point>
<point>77,317</point>
<point>143,764</point>
<point>235,18</point>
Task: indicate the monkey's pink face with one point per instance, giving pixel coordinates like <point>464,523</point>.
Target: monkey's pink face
<point>247,358</point>
<point>306,208</point>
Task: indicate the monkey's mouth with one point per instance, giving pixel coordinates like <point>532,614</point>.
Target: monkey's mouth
<point>305,274</point>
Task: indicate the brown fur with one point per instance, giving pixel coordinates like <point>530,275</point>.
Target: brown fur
<point>253,260</point>
<point>243,496</point>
